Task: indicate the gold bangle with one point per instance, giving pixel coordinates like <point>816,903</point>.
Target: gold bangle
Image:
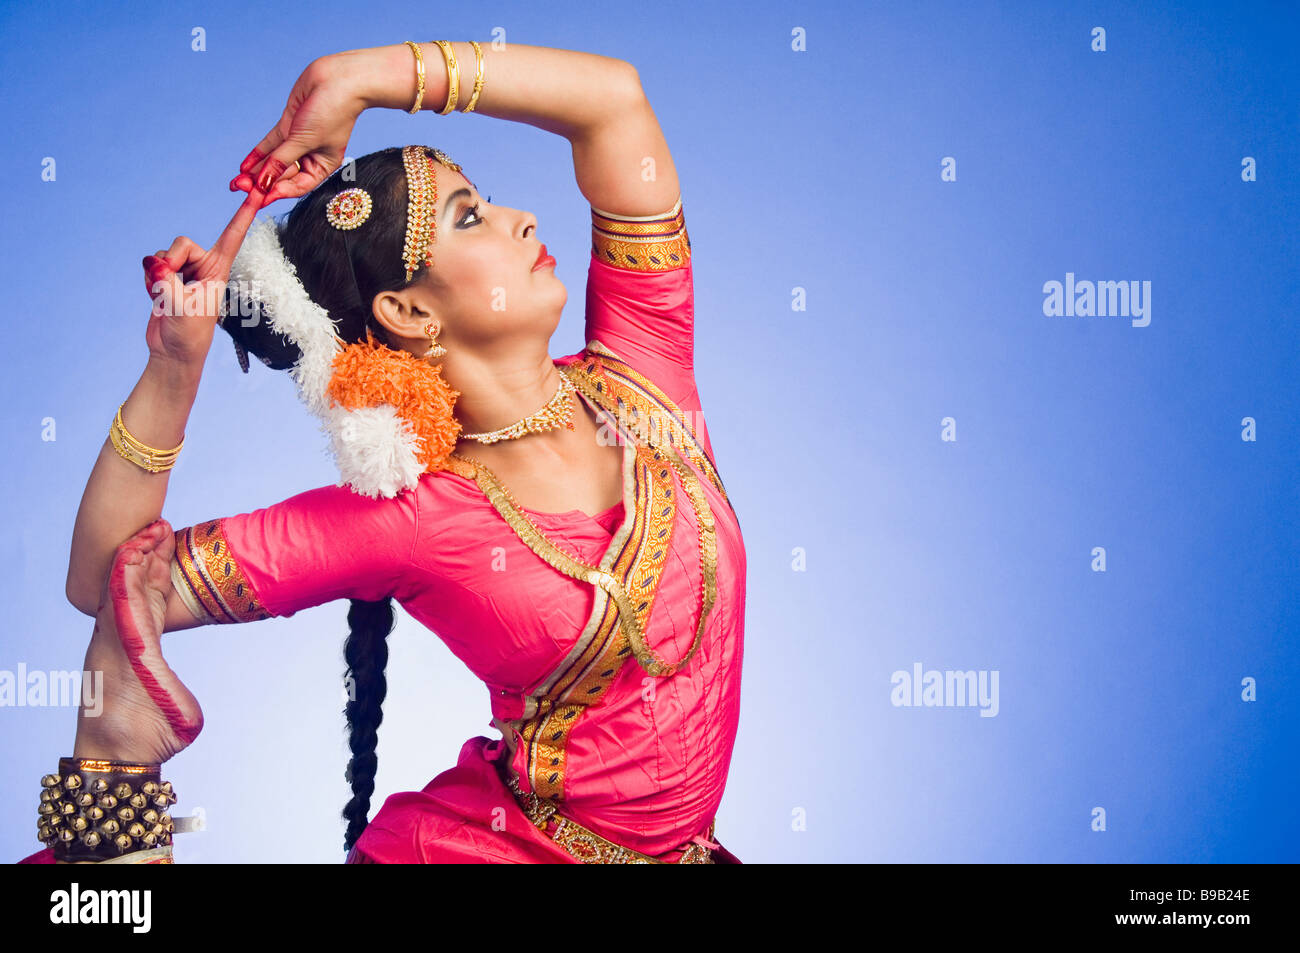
<point>144,462</point>
<point>453,76</point>
<point>137,443</point>
<point>478,76</point>
<point>141,454</point>
<point>419,77</point>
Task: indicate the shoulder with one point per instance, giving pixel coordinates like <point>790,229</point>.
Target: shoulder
<point>333,521</point>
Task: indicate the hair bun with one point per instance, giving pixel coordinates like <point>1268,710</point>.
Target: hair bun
<point>246,323</point>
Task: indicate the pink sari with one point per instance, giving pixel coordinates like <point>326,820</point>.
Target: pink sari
<point>641,761</point>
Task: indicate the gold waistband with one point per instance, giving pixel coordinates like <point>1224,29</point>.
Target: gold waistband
<point>586,845</point>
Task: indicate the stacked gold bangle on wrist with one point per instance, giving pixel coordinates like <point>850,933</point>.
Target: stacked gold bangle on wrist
<point>419,77</point>
<point>453,76</point>
<point>478,77</point>
<point>94,810</point>
<point>141,454</point>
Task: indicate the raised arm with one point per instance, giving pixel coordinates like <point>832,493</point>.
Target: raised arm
<point>620,158</point>
<point>121,497</point>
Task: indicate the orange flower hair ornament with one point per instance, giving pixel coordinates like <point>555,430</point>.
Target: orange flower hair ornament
<point>388,413</point>
<point>368,374</point>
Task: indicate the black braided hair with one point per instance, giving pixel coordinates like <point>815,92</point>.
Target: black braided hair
<point>366,654</point>
<point>343,273</point>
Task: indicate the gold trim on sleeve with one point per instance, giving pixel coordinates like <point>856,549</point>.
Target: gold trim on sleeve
<point>207,572</point>
<point>182,587</point>
<point>649,243</point>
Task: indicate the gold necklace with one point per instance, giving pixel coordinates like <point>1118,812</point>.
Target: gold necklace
<point>557,413</point>
<point>573,567</point>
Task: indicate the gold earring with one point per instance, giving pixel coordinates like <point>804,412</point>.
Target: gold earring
<point>435,349</point>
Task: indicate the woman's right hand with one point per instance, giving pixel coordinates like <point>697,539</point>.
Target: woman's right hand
<point>188,286</point>
<point>311,137</point>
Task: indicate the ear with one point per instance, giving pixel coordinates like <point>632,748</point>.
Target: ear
<point>404,314</point>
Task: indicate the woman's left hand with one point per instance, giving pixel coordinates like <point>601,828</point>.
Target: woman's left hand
<point>313,132</point>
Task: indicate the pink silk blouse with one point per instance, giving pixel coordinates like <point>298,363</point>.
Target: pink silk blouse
<point>640,760</point>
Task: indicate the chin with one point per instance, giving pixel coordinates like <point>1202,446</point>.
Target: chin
<point>561,297</point>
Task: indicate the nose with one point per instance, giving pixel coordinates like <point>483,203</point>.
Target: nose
<point>523,225</point>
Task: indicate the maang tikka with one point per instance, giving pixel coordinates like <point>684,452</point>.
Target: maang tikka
<point>351,208</point>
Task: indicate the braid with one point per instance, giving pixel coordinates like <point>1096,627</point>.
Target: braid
<point>342,273</point>
<point>366,654</point>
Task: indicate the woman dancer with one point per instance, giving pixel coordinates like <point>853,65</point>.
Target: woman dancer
<point>558,522</point>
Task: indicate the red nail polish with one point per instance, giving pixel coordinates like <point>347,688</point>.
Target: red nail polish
<point>274,169</point>
<point>253,159</point>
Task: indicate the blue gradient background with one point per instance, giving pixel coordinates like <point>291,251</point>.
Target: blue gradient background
<point>820,170</point>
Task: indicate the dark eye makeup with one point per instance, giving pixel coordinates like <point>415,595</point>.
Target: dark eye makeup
<point>472,212</point>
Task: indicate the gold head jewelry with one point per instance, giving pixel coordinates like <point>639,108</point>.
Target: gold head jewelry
<point>421,204</point>
<point>349,209</point>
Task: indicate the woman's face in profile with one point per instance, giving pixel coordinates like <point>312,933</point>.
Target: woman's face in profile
<point>483,273</point>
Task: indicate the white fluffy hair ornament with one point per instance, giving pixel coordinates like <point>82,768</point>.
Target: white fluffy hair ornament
<point>377,450</point>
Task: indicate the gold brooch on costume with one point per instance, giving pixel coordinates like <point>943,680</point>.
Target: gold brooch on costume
<point>349,209</point>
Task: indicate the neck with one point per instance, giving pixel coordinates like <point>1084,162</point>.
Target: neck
<point>496,395</point>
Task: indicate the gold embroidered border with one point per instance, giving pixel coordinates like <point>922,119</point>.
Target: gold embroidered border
<point>639,568</point>
<point>585,844</point>
<point>601,395</point>
<point>650,257</point>
<point>650,244</point>
<point>640,225</point>
<point>610,376</point>
<point>206,574</point>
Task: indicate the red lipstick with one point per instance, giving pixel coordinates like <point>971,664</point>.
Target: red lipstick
<point>543,259</point>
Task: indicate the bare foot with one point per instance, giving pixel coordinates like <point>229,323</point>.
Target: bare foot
<point>148,715</point>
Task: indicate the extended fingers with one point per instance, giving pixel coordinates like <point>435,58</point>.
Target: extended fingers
<point>295,186</point>
<point>271,176</point>
<point>244,183</point>
<point>227,245</point>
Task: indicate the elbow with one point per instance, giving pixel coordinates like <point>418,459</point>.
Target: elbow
<point>629,83</point>
<point>81,595</point>
<point>82,601</point>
